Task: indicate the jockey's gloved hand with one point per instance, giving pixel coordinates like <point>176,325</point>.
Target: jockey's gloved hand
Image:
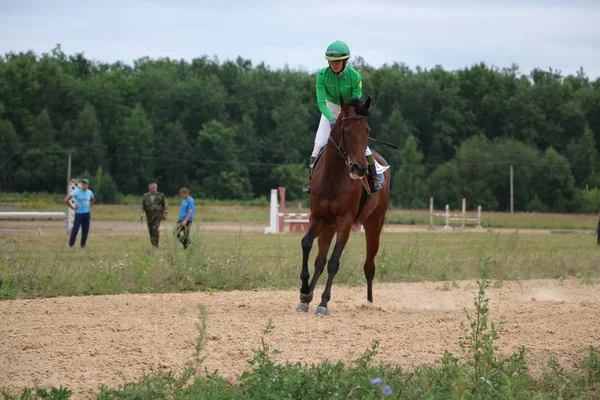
<point>332,123</point>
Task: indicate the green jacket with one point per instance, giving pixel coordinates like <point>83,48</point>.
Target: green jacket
<point>330,86</point>
<point>154,209</point>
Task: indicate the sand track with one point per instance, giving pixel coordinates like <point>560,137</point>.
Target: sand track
<point>81,342</point>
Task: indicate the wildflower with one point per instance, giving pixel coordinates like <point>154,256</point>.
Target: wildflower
<point>387,390</point>
<point>376,381</point>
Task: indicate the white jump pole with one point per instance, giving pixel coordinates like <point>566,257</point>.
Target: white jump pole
<point>479,227</point>
<point>447,214</point>
<point>32,215</point>
<point>273,217</point>
<point>430,227</point>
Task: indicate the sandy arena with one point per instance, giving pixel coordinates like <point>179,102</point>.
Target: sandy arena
<point>82,342</point>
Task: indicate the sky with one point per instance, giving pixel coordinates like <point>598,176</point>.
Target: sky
<point>562,35</point>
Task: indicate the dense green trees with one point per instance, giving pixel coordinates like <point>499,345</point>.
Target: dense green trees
<point>235,130</point>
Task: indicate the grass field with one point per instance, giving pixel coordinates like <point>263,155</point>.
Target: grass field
<point>34,266</point>
<point>518,220</point>
<point>127,210</point>
<point>258,211</point>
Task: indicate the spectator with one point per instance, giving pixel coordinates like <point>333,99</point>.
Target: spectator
<point>84,199</point>
<point>154,205</point>
<point>186,217</point>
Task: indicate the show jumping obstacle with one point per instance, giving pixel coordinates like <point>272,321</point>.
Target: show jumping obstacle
<point>297,222</point>
<point>31,215</point>
<point>448,217</point>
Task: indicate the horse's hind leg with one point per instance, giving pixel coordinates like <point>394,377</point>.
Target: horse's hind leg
<point>372,236</point>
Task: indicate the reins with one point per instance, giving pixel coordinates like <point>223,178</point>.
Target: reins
<point>339,147</point>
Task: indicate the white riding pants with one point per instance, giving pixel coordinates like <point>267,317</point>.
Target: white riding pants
<point>324,130</point>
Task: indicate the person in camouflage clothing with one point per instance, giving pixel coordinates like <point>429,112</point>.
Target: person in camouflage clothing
<point>154,205</point>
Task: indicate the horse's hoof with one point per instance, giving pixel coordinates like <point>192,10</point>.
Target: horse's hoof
<point>302,307</point>
<point>306,298</point>
<point>321,311</point>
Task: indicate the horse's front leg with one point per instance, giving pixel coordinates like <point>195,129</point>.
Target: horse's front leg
<point>324,242</point>
<point>306,294</point>
<point>333,266</point>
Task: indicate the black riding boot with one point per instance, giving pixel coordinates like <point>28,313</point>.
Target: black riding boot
<point>308,184</point>
<point>376,179</point>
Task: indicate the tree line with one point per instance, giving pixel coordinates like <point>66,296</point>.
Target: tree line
<point>234,130</point>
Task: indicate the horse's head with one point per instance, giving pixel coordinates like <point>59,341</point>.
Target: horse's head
<point>351,135</point>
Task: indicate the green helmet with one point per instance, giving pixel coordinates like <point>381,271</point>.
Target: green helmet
<point>337,50</point>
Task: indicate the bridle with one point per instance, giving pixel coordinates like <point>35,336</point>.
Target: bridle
<point>341,151</point>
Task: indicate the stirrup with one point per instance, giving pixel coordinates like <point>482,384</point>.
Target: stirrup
<point>376,182</point>
<point>376,185</point>
<point>306,187</point>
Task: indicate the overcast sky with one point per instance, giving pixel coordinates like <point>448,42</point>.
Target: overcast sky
<point>564,35</point>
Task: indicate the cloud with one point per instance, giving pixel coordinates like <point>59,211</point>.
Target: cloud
<point>558,34</point>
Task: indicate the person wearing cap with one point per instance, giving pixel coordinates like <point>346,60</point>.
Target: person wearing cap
<point>84,199</point>
<point>335,81</point>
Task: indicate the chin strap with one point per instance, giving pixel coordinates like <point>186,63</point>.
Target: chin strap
<point>341,73</point>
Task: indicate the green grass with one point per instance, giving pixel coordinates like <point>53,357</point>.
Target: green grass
<point>211,210</point>
<point>258,211</point>
<point>477,372</point>
<point>44,266</point>
<point>518,220</point>
<point>42,199</point>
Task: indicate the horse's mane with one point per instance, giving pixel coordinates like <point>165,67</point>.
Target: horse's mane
<point>359,107</point>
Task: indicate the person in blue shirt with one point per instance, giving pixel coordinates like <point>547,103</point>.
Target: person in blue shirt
<point>84,199</point>
<point>187,211</point>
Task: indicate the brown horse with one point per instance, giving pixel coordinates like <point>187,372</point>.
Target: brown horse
<point>339,200</point>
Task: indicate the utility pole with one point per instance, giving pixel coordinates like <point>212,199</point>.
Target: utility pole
<point>69,168</point>
<point>68,189</point>
<point>512,191</point>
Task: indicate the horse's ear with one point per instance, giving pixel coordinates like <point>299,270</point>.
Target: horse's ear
<point>368,103</point>
<point>343,104</point>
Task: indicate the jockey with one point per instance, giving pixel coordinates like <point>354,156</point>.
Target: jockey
<point>334,81</point>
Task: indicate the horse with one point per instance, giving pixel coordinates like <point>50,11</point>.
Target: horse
<point>339,199</point>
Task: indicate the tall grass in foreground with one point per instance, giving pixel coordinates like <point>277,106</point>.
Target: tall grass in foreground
<point>478,372</point>
<point>44,266</point>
